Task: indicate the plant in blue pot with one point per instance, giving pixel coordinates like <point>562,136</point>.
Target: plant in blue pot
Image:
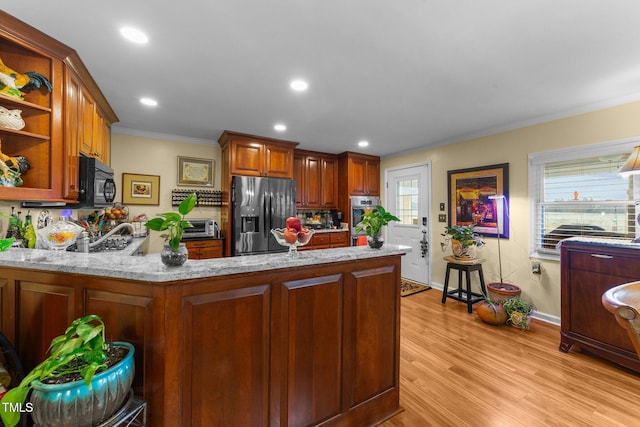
<point>82,383</point>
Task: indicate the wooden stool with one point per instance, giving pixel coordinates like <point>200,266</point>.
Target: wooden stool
<point>464,295</point>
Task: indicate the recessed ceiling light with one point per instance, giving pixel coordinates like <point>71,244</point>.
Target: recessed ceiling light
<point>299,85</point>
<point>149,102</point>
<point>134,35</point>
<point>280,127</point>
<point>363,143</point>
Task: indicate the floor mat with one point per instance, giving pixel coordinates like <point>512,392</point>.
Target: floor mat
<point>409,287</point>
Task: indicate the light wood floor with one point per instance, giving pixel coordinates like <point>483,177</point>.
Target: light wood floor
<point>458,371</point>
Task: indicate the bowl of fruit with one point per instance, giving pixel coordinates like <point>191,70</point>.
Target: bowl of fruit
<point>293,235</point>
<point>60,235</point>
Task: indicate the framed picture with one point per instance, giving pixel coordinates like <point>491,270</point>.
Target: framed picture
<point>472,199</point>
<point>192,171</point>
<point>140,189</point>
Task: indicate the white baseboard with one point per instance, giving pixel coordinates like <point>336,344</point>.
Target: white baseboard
<point>545,317</point>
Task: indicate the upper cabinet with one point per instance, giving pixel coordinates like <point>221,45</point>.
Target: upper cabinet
<point>55,122</point>
<point>360,174</point>
<point>250,155</point>
<point>316,176</point>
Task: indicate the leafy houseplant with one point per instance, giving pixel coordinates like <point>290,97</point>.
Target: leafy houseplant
<point>372,223</point>
<point>462,237</point>
<point>77,355</point>
<point>174,222</point>
<point>518,312</point>
<point>174,253</point>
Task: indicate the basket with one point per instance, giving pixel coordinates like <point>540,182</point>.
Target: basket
<point>11,119</point>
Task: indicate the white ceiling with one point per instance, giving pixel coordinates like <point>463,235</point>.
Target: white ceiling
<point>403,74</point>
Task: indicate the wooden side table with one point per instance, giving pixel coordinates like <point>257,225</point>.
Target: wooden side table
<point>460,294</point>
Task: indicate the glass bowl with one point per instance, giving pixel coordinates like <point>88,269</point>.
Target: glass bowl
<point>286,239</point>
<point>59,235</point>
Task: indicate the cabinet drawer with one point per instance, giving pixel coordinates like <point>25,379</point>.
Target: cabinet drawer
<point>338,237</point>
<point>321,239</point>
<point>604,263</point>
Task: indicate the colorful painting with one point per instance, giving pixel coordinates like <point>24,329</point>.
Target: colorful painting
<point>472,199</point>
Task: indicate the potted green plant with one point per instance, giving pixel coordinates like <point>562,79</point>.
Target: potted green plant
<point>372,223</point>
<point>174,252</point>
<point>518,312</point>
<point>84,378</point>
<point>462,238</point>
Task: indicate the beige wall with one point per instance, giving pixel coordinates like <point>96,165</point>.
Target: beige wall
<point>513,147</point>
<point>152,156</point>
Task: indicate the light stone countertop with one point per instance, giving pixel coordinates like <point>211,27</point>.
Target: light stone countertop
<point>149,267</point>
<point>602,242</point>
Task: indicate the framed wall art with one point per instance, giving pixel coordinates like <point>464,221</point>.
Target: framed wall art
<point>140,189</point>
<point>471,201</point>
<point>198,172</point>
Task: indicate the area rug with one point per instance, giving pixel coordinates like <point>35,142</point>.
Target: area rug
<point>409,287</point>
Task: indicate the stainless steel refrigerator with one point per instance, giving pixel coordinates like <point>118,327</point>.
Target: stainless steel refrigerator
<point>260,204</point>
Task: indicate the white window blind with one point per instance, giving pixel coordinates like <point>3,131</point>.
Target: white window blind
<point>578,192</point>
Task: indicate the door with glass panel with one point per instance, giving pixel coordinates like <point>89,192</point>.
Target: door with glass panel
<point>407,197</point>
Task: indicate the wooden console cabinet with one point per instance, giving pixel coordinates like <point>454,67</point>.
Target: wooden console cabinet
<point>59,125</point>
<point>587,271</point>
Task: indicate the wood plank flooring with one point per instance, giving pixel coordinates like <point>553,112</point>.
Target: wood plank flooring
<point>458,371</point>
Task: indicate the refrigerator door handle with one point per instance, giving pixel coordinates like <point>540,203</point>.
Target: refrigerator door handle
<point>265,217</point>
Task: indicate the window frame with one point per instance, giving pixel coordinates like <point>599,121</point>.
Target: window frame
<point>537,162</point>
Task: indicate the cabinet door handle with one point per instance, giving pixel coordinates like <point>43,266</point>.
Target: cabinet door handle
<point>602,256</point>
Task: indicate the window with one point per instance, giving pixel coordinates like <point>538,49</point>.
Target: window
<point>578,192</point>
<point>407,201</point>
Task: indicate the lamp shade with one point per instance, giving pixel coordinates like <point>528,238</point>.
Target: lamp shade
<point>632,165</point>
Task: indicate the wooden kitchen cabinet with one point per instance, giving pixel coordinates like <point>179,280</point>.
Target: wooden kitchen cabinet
<point>205,249</point>
<point>326,240</point>
<point>283,347</point>
<point>316,176</point>
<point>587,272</point>
<point>54,122</point>
<point>360,174</point>
<point>250,155</point>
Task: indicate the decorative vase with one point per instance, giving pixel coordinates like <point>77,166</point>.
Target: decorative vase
<point>520,320</point>
<point>461,251</point>
<point>493,314</point>
<point>376,241</point>
<point>174,257</point>
<point>75,404</point>
<point>500,292</point>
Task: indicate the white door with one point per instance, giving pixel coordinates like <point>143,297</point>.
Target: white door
<point>408,198</point>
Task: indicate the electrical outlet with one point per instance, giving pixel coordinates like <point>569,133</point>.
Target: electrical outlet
<point>536,268</point>
<point>442,218</point>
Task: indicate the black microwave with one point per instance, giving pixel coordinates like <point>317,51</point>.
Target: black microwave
<point>96,187</point>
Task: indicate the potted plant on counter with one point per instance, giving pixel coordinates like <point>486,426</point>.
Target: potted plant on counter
<point>83,381</point>
<point>174,252</point>
<point>372,223</point>
<point>463,238</point>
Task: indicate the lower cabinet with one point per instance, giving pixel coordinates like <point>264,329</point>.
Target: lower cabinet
<point>282,347</point>
<point>326,240</point>
<point>587,272</point>
<point>205,249</point>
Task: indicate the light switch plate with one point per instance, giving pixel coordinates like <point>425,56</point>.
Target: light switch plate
<point>441,207</point>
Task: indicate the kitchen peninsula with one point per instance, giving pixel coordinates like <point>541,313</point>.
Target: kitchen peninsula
<point>264,340</point>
